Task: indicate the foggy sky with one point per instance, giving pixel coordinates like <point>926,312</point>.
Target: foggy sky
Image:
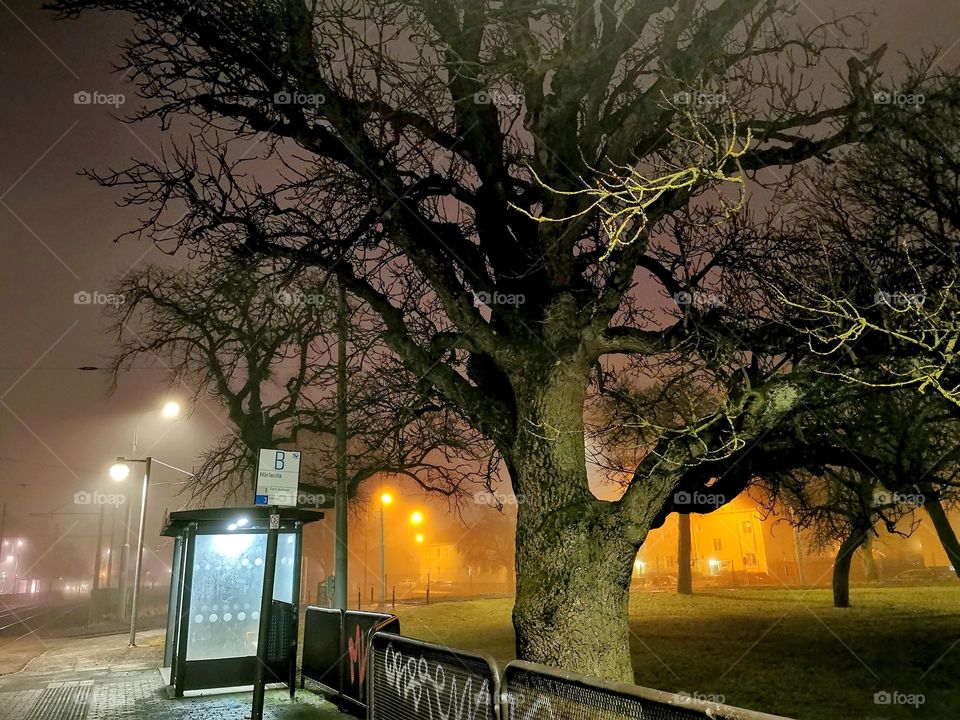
<point>58,428</point>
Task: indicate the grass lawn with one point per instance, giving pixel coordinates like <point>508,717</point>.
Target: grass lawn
<point>787,652</point>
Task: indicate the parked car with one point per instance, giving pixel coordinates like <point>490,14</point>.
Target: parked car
<point>663,582</point>
<point>919,576</point>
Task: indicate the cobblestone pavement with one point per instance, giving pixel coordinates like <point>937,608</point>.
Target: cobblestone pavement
<point>120,683</point>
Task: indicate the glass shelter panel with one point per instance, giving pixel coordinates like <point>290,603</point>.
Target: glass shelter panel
<point>286,561</point>
<point>225,597</point>
<point>227,589</point>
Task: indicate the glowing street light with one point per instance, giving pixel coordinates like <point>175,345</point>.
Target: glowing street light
<point>171,409</point>
<point>416,518</point>
<point>386,499</point>
<point>119,471</point>
<point>419,538</point>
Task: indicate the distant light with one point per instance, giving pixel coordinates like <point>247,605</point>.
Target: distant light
<point>232,526</point>
<point>386,498</point>
<point>9,558</point>
<point>242,522</point>
<point>171,409</point>
<point>416,518</point>
<point>19,543</point>
<point>119,471</point>
<point>419,538</point>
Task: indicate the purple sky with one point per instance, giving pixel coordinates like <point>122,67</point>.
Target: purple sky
<point>58,427</point>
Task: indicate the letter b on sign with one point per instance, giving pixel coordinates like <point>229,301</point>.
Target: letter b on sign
<point>278,460</point>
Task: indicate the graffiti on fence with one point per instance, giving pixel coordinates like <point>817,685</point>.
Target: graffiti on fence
<point>357,649</point>
<point>428,686</point>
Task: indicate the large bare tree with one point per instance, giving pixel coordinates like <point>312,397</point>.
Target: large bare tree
<point>442,159</point>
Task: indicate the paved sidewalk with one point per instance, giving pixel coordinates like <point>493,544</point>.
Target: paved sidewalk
<point>102,679</point>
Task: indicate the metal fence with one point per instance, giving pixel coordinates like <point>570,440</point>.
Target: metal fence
<point>411,679</point>
<point>536,692</point>
<point>336,651</point>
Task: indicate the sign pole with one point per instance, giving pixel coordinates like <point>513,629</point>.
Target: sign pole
<point>266,607</point>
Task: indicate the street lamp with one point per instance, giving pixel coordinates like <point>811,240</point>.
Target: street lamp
<point>416,518</point>
<point>117,472</point>
<point>385,499</point>
<point>419,538</point>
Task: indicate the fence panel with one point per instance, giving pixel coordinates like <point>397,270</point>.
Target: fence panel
<point>536,692</point>
<point>322,637</point>
<point>414,680</point>
<point>358,629</point>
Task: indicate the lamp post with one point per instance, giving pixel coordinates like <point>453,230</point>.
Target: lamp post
<point>169,411</point>
<point>385,499</point>
<point>119,471</point>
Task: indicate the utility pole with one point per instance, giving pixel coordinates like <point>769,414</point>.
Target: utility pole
<point>340,506</point>
<point>3,530</point>
<point>95,587</point>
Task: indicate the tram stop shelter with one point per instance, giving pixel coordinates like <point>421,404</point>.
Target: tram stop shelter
<point>216,588</point>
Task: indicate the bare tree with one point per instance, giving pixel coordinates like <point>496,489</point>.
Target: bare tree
<point>432,154</point>
<point>261,345</point>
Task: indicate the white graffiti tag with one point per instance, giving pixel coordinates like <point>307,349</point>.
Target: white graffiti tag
<point>413,680</point>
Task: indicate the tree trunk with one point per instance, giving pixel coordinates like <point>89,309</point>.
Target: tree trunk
<point>948,538</point>
<point>841,568</point>
<point>684,573</point>
<point>574,561</point>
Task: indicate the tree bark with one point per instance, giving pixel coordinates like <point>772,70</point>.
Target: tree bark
<point>684,573</point>
<point>948,538</point>
<point>841,568</point>
<point>574,552</point>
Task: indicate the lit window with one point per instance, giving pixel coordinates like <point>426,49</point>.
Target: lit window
<point>717,545</point>
<point>747,527</point>
<point>750,560</point>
